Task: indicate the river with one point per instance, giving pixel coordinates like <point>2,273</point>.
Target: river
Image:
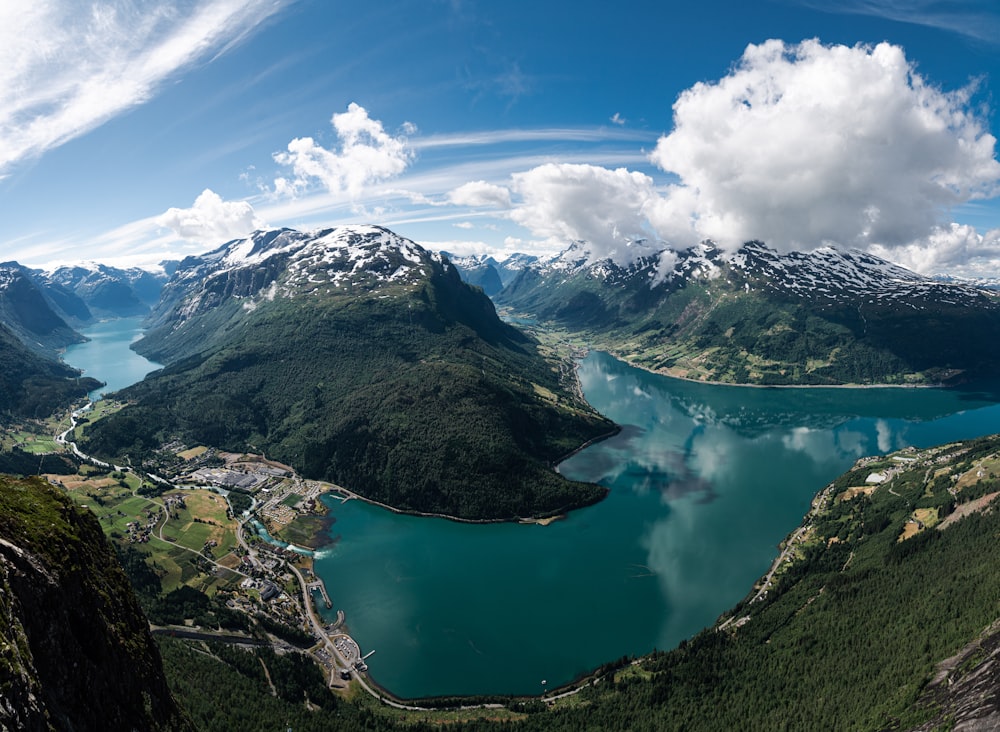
<point>704,482</point>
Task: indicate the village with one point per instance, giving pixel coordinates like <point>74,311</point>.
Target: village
<point>216,521</point>
<point>279,578</point>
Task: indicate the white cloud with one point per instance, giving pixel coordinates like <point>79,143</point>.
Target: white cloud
<point>884,436</point>
<point>459,247</point>
<point>211,221</point>
<point>480,193</point>
<point>569,202</point>
<point>957,249</point>
<point>67,67</point>
<point>367,154</point>
<point>805,144</point>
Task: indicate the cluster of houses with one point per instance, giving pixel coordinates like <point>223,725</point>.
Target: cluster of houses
<point>138,532</point>
<point>271,556</point>
<point>174,501</point>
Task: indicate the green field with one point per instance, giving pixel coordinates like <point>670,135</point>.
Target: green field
<point>178,561</point>
<point>35,444</point>
<point>213,524</point>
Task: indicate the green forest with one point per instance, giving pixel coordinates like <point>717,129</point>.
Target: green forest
<point>426,402</point>
<point>736,329</point>
<point>847,637</point>
<point>32,385</point>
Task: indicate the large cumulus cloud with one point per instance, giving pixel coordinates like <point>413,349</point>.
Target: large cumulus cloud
<point>806,144</point>
<point>574,202</point>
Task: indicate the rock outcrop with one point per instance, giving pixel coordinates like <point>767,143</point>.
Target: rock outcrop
<point>75,649</point>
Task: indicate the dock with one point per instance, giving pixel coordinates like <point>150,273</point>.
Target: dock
<point>318,585</point>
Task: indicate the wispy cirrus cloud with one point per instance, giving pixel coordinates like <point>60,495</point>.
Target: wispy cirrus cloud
<point>68,67</point>
<point>976,19</point>
<point>541,135</point>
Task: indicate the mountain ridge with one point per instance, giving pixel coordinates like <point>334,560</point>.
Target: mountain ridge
<point>358,357</point>
<point>76,650</point>
<point>760,317</point>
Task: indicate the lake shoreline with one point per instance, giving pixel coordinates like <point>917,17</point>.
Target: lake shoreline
<point>667,373</point>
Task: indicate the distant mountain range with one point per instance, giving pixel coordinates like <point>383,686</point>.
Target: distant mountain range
<point>44,309</point>
<point>108,292</point>
<point>486,272</point>
<point>33,381</point>
<point>40,313</point>
<point>760,317</point>
<point>358,357</point>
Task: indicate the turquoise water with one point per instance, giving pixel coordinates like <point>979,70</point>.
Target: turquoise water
<point>705,481</point>
<point>107,356</point>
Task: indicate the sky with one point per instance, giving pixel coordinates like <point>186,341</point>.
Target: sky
<point>133,131</point>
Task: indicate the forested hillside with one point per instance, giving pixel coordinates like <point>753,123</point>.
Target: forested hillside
<point>32,385</point>
<point>759,317</point>
<point>406,389</point>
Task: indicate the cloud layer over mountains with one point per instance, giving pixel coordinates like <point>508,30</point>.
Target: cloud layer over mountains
<point>799,146</point>
<point>805,144</point>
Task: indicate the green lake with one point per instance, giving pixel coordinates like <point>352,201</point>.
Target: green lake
<point>106,355</point>
<point>705,481</point>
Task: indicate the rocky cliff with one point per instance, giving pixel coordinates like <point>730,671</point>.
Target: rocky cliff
<point>75,648</point>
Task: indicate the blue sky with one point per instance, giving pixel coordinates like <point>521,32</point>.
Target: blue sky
<point>132,132</point>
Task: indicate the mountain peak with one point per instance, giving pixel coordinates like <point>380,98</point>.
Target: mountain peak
<point>289,263</point>
<point>829,274</point>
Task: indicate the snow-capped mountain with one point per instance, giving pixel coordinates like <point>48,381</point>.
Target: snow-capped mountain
<point>987,283</point>
<point>104,291</point>
<point>359,357</point>
<point>845,276</point>
<point>30,312</point>
<point>826,316</point>
<point>288,264</point>
<point>480,270</point>
<point>826,273</point>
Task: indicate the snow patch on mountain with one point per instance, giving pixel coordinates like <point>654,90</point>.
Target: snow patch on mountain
<point>836,275</point>
<point>288,263</point>
<point>827,275</point>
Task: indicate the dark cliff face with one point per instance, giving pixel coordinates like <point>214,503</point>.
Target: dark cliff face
<point>75,648</point>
